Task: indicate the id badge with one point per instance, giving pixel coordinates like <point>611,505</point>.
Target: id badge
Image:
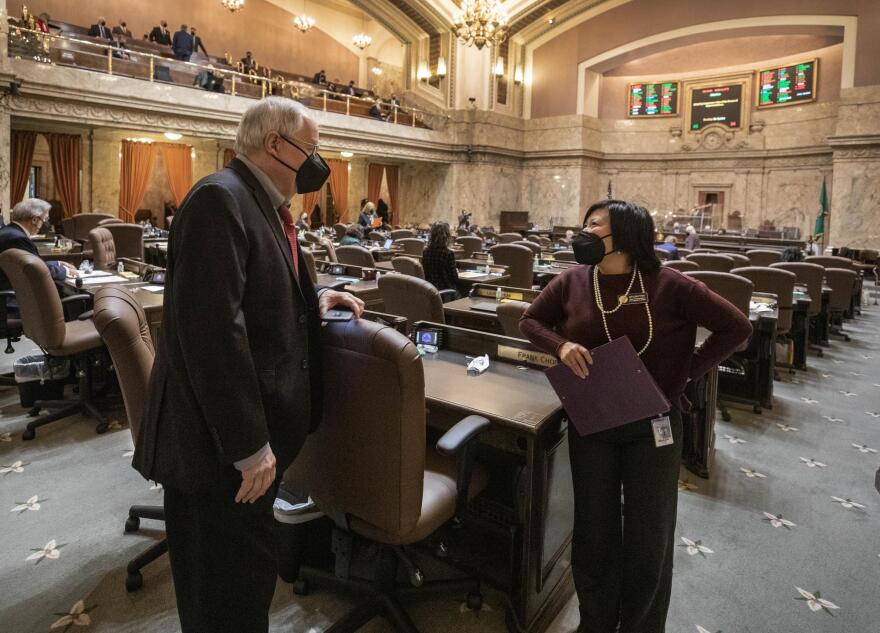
<point>662,431</point>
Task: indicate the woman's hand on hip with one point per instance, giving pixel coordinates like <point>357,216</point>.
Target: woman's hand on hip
<point>576,357</point>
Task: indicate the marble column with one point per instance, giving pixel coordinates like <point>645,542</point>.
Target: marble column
<point>5,118</point>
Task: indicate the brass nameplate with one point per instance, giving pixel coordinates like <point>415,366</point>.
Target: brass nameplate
<point>526,356</point>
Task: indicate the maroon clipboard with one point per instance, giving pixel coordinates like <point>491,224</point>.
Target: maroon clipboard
<point>618,390</point>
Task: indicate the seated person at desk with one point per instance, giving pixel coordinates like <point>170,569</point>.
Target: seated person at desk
<point>622,566</point>
<point>353,236</point>
<point>438,261</point>
<point>26,220</point>
<point>669,246</point>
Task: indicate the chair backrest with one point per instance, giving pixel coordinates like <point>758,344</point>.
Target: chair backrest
<point>662,254</point>
<point>738,259</point>
<point>775,281</point>
<point>412,245</point>
<point>684,265</point>
<point>355,256</point>
<point>545,242</point>
<point>128,240</point>
<point>462,232</point>
<point>564,256</point>
<point>736,289</point>
<point>68,227</point>
<point>830,261</point>
<point>376,236</point>
<point>810,275</point>
<point>312,237</point>
<point>842,281</point>
<point>103,248</point>
<point>309,259</point>
<point>684,252</point>
<point>508,238</point>
<point>367,457</point>
<point>331,250</point>
<point>107,221</point>
<point>42,317</point>
<point>713,262</point>
<point>85,222</point>
<point>408,266</point>
<point>763,257</point>
<point>470,244</point>
<point>411,297</point>
<point>534,238</point>
<point>705,250</point>
<point>123,326</point>
<point>401,234</point>
<point>509,315</point>
<point>518,260</point>
<point>532,246</point>
<point>340,230</point>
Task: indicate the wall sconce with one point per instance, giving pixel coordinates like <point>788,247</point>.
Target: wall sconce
<point>499,67</point>
<point>441,67</point>
<point>423,74</point>
<point>518,75</point>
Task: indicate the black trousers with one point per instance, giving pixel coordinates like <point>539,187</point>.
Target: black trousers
<point>622,557</point>
<point>223,558</point>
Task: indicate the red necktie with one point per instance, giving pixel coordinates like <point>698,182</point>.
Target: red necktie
<point>290,231</point>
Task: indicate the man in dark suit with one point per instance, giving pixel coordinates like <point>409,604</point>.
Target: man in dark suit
<point>182,44</point>
<point>236,387</point>
<point>197,42</point>
<point>122,29</point>
<point>349,89</point>
<point>161,34</point>
<point>100,29</point>
<point>247,62</point>
<point>27,219</point>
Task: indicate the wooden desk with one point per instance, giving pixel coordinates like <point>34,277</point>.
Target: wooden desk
<point>366,291</point>
<point>461,313</point>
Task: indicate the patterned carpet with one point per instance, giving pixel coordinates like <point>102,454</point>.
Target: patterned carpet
<point>784,538</point>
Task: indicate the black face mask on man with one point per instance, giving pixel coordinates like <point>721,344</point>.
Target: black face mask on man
<point>312,174</point>
<point>589,249</point>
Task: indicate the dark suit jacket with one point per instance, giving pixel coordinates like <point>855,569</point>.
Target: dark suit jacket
<point>95,31</point>
<point>182,42</point>
<point>238,359</point>
<point>156,35</point>
<point>13,236</point>
<point>197,44</point>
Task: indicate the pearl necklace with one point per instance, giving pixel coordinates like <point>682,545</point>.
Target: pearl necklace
<point>597,295</point>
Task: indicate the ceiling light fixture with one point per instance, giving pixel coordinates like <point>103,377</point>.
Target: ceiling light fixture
<point>347,154</point>
<point>233,6</point>
<point>304,22</point>
<point>480,22</point>
<point>173,136</point>
<point>362,40</point>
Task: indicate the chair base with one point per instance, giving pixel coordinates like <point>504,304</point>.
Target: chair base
<point>134,580</point>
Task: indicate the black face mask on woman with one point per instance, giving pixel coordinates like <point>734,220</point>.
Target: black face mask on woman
<point>312,174</point>
<point>588,248</point>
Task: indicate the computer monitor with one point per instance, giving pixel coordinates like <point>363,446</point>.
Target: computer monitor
<point>388,243</point>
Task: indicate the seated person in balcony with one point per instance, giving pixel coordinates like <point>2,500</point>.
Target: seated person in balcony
<point>247,62</point>
<point>376,111</point>
<point>119,48</point>
<point>353,236</point>
<point>182,44</point>
<point>161,34</point>
<point>27,219</point>
<point>437,260</point>
<point>197,42</point>
<point>670,247</point>
<point>207,80</point>
<point>100,29</point>
<point>394,101</point>
<point>349,89</point>
<point>122,29</point>
<point>320,77</point>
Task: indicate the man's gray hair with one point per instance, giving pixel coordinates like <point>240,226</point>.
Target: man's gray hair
<point>272,114</point>
<point>670,239</point>
<point>30,208</point>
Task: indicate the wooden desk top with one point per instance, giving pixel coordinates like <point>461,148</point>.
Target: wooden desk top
<point>355,287</point>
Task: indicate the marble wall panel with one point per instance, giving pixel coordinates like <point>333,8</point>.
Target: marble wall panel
<point>855,207</point>
<point>426,192</point>
<point>552,194</point>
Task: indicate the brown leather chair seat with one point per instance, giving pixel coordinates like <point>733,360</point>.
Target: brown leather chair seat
<point>518,260</point>
<point>103,248</point>
<point>355,256</point>
<point>412,298</point>
<point>810,275</point>
<point>713,262</point>
<point>763,257</point>
<point>411,245</point>
<point>830,261</point>
<point>532,246</point>
<point>738,259</point>
<point>684,265</point>
<point>564,256</point>
<point>736,289</point>
<point>128,240</point>
<point>470,244</point>
<point>401,234</point>
<point>774,281</point>
<point>508,238</point>
<point>408,266</point>
<point>509,314</point>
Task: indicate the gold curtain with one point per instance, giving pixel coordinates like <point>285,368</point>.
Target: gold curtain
<point>228,155</point>
<point>178,167</point>
<point>134,175</point>
<point>392,175</point>
<point>374,182</point>
<point>65,154</point>
<point>339,187</point>
<point>309,201</point>
<point>21,158</point>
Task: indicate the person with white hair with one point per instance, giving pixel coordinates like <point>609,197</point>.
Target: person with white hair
<point>368,215</point>
<point>26,220</point>
<point>692,241</point>
<point>236,385</point>
<point>669,245</point>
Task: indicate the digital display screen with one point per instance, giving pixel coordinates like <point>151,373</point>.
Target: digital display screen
<point>787,85</point>
<point>427,337</point>
<point>653,99</point>
<point>721,105</point>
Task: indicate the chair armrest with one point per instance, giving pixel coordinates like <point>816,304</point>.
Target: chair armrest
<point>457,442</point>
<point>86,316</point>
<point>9,294</point>
<point>84,302</point>
<point>448,295</point>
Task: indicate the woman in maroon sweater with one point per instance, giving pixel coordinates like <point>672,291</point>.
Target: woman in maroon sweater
<point>622,565</point>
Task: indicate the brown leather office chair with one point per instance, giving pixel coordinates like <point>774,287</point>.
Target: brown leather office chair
<point>810,275</point>
<point>340,229</point>
<point>508,238</point>
<point>509,314</point>
<point>42,320</point>
<point>684,265</point>
<point>376,236</point>
<point>408,266</point>
<point>774,281</point>
<point>311,237</point>
<point>564,256</point>
<point>411,297</point>
<point>545,242</point>
<point>532,246</point>
<point>738,259</point>
<point>842,282</point>
<point>85,222</point>
<point>401,234</point>
<point>309,259</point>
<point>519,262</point>
<point>355,256</point>
<point>713,262</point>
<point>327,243</point>
<point>128,240</point>
<point>470,244</point>
<point>68,226</point>
<point>123,326</point>
<point>368,462</point>
<point>763,257</point>
<point>103,248</point>
<point>738,290</point>
<point>107,221</point>
<point>704,250</point>
<point>684,252</point>
<point>830,261</point>
<point>411,245</point>
<point>462,232</point>
<point>662,254</point>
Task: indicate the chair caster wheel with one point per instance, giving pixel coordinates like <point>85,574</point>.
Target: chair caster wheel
<point>757,410</point>
<point>34,412</point>
<point>725,415</point>
<point>28,434</point>
<point>416,578</point>
<point>132,524</point>
<point>102,428</point>
<point>475,601</point>
<point>134,581</point>
<point>301,587</point>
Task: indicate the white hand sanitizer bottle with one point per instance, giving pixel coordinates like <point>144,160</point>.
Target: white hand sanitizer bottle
<point>499,294</point>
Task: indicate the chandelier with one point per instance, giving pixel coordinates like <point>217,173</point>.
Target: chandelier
<point>480,22</point>
<point>234,6</point>
<point>304,22</point>
<point>362,40</point>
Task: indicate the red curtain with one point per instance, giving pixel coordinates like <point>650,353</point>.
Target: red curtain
<point>374,182</point>
<point>392,175</point>
<point>21,158</point>
<point>134,175</point>
<point>339,187</point>
<point>310,200</point>
<point>65,154</point>
<point>178,168</point>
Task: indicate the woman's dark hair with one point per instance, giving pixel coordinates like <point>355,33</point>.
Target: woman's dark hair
<point>381,208</point>
<point>792,254</point>
<point>632,229</point>
<point>354,230</point>
<point>439,236</point>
